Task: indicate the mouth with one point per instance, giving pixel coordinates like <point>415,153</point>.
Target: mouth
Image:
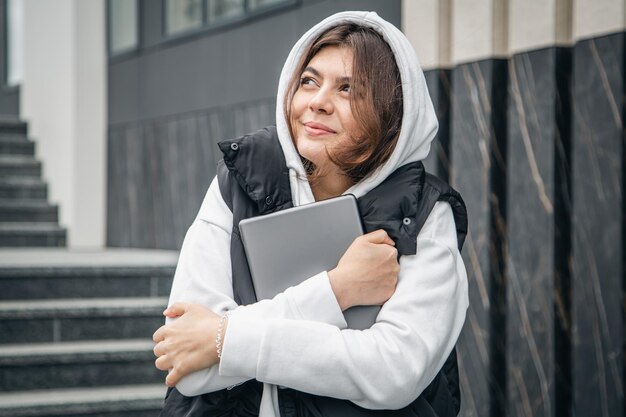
<point>317,129</point>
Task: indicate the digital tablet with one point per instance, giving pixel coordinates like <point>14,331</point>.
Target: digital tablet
<point>289,246</point>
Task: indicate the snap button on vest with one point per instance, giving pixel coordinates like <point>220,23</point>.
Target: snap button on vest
<point>406,221</point>
<point>268,200</point>
<point>234,146</point>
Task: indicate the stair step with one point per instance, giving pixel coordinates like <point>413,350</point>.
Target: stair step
<point>13,125</point>
<point>31,234</point>
<point>14,136</point>
<point>28,211</point>
<point>45,321</point>
<point>16,145</point>
<point>120,401</point>
<point>19,166</point>
<point>77,364</point>
<point>48,273</point>
<point>23,188</point>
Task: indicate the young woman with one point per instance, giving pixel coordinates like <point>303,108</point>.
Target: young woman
<point>353,116</point>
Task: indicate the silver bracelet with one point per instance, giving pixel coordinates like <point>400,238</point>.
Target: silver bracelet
<point>219,337</point>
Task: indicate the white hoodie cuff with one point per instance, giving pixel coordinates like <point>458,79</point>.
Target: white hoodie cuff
<point>242,343</point>
<point>315,300</point>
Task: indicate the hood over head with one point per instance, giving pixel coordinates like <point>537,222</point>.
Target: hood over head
<point>419,122</point>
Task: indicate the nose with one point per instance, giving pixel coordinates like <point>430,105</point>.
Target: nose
<point>321,102</point>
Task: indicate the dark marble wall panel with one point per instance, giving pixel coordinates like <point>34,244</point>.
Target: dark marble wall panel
<point>439,87</point>
<point>159,171</point>
<point>597,227</point>
<point>477,148</point>
<point>534,136</point>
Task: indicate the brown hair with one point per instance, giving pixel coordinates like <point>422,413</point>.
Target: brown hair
<point>375,100</point>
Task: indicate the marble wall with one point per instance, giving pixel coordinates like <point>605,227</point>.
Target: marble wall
<point>159,170</point>
<point>598,227</point>
<point>478,171</point>
<point>439,83</point>
<point>537,307</point>
<point>543,183</point>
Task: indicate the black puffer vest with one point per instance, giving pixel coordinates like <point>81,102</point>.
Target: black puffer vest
<point>254,180</point>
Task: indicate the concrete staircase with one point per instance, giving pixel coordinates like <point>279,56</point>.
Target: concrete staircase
<point>26,217</point>
<point>76,328</point>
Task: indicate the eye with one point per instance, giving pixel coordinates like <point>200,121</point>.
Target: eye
<point>345,88</point>
<point>304,81</point>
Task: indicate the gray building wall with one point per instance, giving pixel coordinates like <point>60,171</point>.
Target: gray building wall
<point>173,99</point>
<point>9,96</point>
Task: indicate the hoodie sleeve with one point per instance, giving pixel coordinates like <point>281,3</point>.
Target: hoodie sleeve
<point>384,367</point>
<point>203,275</point>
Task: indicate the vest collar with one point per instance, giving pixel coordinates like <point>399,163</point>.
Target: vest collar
<point>258,164</point>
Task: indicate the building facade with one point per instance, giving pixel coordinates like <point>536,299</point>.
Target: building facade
<point>530,99</point>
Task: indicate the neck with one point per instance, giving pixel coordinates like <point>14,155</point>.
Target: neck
<point>330,185</point>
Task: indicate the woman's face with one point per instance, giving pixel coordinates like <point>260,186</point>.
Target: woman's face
<point>321,116</point>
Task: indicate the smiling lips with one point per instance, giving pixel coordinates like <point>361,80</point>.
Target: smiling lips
<point>317,129</point>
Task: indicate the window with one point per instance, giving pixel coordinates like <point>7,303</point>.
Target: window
<point>14,42</point>
<point>257,4</point>
<point>189,15</point>
<point>183,15</point>
<point>224,9</point>
<point>123,30</point>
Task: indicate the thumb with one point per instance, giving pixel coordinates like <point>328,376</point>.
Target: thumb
<point>176,310</point>
<point>379,236</point>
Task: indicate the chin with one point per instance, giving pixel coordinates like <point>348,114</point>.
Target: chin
<point>314,151</point>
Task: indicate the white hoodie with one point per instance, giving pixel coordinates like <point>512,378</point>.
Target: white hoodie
<point>299,339</point>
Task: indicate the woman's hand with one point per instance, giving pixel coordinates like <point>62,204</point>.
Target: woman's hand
<point>367,273</point>
<point>187,344</point>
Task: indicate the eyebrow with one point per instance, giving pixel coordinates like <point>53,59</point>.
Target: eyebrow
<point>338,80</point>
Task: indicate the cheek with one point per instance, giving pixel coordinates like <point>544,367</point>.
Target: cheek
<point>298,106</point>
<point>294,115</point>
<point>350,124</point>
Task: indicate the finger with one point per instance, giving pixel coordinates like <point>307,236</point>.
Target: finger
<point>159,349</point>
<point>159,335</point>
<point>176,310</point>
<point>379,236</point>
<point>172,378</point>
<point>163,363</point>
